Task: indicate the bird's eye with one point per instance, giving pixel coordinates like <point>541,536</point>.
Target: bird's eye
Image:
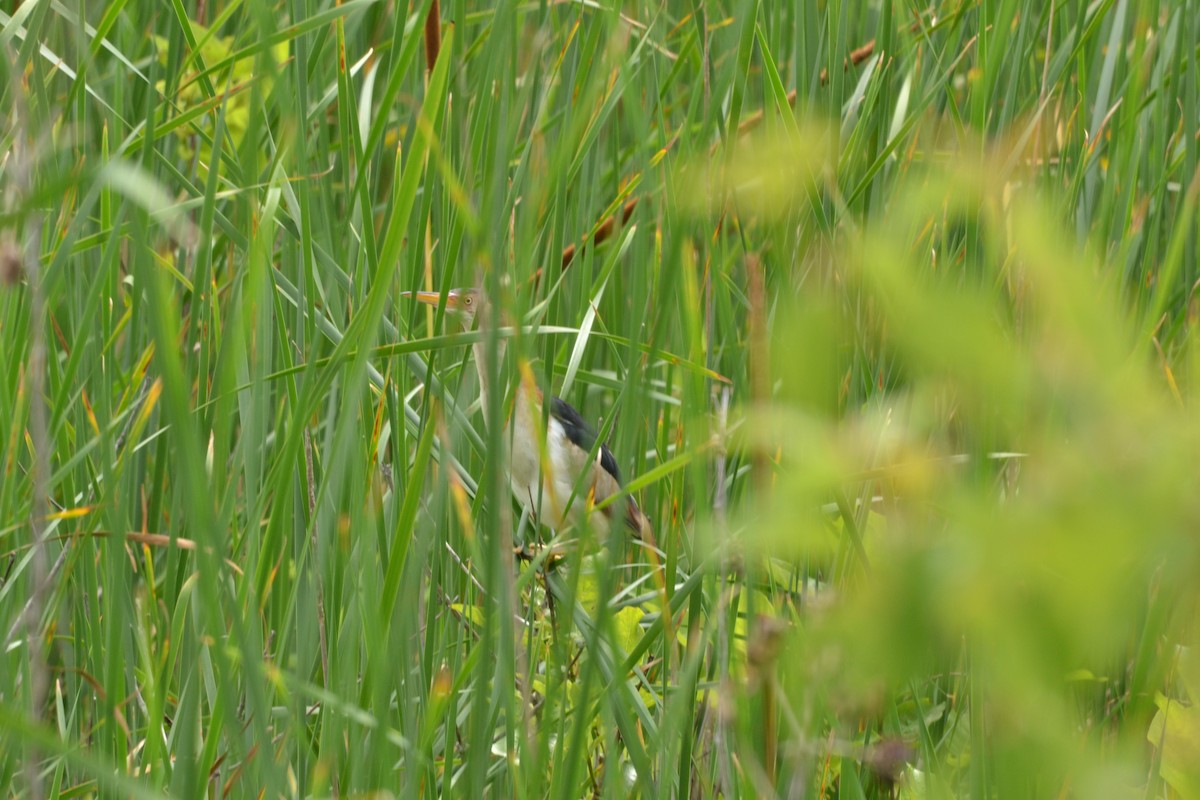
<point>467,300</point>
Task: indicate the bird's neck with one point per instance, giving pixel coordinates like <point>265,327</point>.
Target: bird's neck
<point>480,351</point>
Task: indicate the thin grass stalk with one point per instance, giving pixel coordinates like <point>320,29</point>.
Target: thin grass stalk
<point>22,166</point>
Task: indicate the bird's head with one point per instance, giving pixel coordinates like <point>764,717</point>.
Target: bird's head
<point>462,303</point>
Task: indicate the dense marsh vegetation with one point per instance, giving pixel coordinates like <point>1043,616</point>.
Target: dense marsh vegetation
<point>885,308</point>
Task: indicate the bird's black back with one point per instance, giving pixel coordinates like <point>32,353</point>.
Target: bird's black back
<point>582,434</point>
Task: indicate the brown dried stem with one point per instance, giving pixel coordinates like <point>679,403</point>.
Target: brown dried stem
<point>433,35</point>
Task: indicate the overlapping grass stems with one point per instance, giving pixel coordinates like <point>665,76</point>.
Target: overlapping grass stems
<point>885,309</point>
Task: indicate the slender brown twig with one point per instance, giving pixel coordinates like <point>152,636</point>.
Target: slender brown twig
<point>857,56</point>
<point>602,232</point>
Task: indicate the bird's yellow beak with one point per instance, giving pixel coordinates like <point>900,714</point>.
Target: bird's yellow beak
<point>432,298</point>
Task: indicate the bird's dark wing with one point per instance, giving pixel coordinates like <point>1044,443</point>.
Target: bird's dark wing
<point>582,435</point>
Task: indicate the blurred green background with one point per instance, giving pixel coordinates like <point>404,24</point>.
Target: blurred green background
<point>884,307</point>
